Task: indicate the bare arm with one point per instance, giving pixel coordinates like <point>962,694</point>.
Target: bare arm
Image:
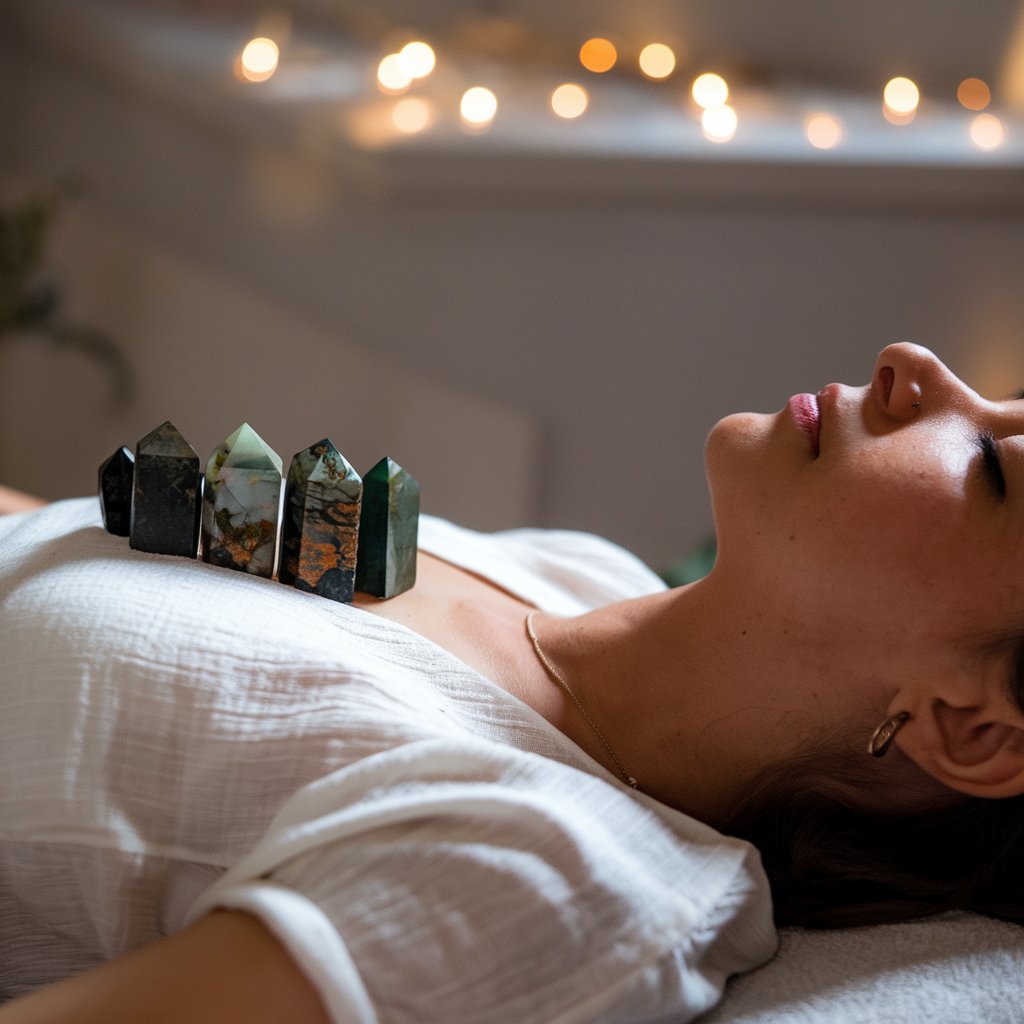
<point>17,501</point>
<point>225,968</point>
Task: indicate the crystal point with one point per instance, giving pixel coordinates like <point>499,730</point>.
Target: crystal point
<point>388,531</point>
<point>116,476</point>
<point>320,534</point>
<point>242,504</point>
<point>166,494</point>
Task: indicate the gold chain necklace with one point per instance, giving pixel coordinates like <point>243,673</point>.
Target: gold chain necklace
<point>556,676</point>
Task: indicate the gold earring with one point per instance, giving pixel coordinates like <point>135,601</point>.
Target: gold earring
<point>882,737</point>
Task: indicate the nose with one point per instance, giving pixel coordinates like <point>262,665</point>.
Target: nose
<point>908,379</point>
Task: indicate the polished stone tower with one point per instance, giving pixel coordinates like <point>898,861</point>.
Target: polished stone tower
<point>167,492</point>
<point>388,531</point>
<point>320,534</point>
<point>242,504</point>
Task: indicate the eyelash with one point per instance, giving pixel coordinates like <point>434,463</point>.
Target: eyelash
<point>991,463</point>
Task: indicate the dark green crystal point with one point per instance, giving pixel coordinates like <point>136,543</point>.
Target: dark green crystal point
<point>116,477</point>
<point>388,531</point>
<point>241,504</point>
<point>320,534</point>
<point>166,499</point>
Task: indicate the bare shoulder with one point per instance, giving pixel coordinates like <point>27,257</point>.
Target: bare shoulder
<point>225,968</point>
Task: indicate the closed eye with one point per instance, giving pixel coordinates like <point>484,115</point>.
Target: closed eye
<point>991,463</point>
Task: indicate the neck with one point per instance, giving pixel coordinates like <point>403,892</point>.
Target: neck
<point>677,682</point>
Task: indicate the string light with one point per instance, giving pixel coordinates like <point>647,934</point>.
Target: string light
<point>478,106</point>
<point>412,114</point>
<point>598,55</point>
<point>901,95</point>
<point>987,131</point>
<point>391,76</point>
<point>709,90</point>
<point>396,72</point>
<point>657,61</point>
<point>258,60</point>
<point>719,123</point>
<point>569,100</point>
<point>823,131</point>
<point>900,100</point>
<point>417,59</point>
<point>973,94</point>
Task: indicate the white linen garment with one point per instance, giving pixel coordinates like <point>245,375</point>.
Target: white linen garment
<point>176,737</point>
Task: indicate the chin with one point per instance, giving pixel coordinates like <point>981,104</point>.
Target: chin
<point>742,433</point>
<point>734,459</point>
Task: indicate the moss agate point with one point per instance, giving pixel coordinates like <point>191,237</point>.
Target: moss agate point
<point>320,531</point>
<point>388,531</point>
<point>166,494</point>
<point>116,478</point>
<point>242,504</point>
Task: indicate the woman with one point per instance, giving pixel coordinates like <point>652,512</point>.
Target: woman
<point>866,592</point>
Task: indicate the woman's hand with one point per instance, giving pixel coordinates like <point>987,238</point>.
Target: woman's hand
<point>17,501</point>
<point>225,968</point>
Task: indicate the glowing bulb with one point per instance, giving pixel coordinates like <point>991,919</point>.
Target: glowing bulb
<point>569,100</point>
<point>709,90</point>
<point>412,114</point>
<point>416,59</point>
<point>823,131</point>
<point>478,106</point>
<point>987,131</point>
<point>901,96</point>
<point>598,55</point>
<point>973,94</point>
<point>259,59</point>
<point>719,123</point>
<point>391,76</point>
<point>657,60</point>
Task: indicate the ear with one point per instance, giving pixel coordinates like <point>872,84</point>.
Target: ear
<point>976,750</point>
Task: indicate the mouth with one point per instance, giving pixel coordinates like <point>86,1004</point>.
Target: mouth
<point>807,416</point>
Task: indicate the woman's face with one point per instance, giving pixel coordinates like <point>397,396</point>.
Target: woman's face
<point>878,522</point>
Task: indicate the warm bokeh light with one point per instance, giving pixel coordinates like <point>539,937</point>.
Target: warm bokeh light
<point>598,55</point>
<point>973,94</point>
<point>259,59</point>
<point>391,76</point>
<point>823,131</point>
<point>569,100</point>
<point>478,106</point>
<point>657,60</point>
<point>417,59</point>
<point>709,90</point>
<point>412,114</point>
<point>987,131</point>
<point>901,96</point>
<point>719,123</point>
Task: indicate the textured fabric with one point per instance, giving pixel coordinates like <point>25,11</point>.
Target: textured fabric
<point>954,969</point>
<point>175,736</point>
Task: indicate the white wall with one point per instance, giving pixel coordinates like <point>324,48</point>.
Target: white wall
<point>563,359</point>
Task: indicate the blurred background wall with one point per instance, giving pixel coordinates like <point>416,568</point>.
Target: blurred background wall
<point>539,317</point>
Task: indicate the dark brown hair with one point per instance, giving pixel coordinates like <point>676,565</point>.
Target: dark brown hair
<point>834,862</point>
<point>835,865</point>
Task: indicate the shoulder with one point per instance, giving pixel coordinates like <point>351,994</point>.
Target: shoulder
<point>562,571</point>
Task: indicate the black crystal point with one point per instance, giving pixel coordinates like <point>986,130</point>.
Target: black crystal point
<point>115,484</point>
<point>167,495</point>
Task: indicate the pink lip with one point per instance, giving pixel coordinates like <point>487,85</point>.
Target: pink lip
<point>805,412</point>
